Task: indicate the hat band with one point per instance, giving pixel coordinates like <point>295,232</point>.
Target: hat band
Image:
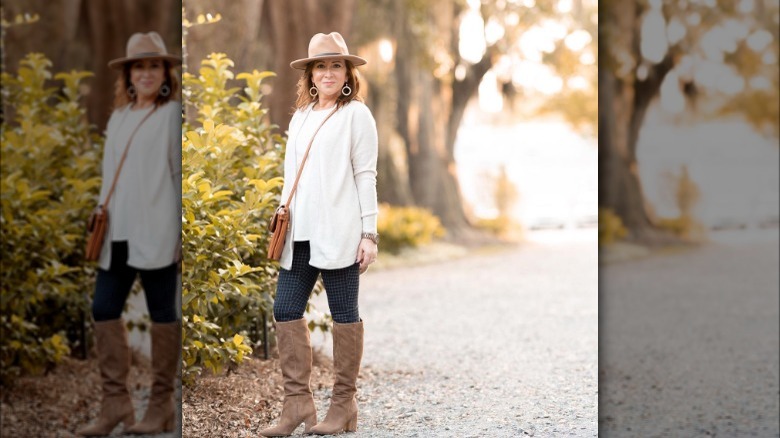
<point>329,54</point>
<point>149,54</point>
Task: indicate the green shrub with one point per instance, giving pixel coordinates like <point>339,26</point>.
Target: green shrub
<point>401,227</point>
<point>50,182</point>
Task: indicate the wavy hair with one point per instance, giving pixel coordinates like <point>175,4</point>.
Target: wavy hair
<point>121,98</point>
<point>305,83</point>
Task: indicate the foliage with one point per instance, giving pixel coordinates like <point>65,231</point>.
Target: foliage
<point>50,183</point>
<point>611,227</point>
<point>232,167</point>
<point>683,226</point>
<point>686,195</point>
<point>406,226</point>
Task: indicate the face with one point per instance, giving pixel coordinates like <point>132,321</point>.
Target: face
<point>147,76</point>
<point>329,76</point>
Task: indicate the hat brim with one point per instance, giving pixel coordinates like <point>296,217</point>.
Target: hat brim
<point>119,62</point>
<point>300,64</point>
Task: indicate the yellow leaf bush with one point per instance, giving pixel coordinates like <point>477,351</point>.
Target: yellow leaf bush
<point>611,228</point>
<point>50,182</point>
<point>401,227</point>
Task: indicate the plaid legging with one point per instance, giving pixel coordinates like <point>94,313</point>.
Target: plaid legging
<point>295,286</point>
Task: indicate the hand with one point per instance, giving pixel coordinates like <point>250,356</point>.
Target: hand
<point>366,254</point>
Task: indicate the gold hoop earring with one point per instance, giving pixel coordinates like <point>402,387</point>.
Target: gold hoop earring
<point>345,90</point>
<point>131,92</point>
<point>313,92</point>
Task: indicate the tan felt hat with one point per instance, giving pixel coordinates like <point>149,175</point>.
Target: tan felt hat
<point>144,46</point>
<point>330,46</point>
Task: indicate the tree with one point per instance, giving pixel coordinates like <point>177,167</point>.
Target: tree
<point>708,45</point>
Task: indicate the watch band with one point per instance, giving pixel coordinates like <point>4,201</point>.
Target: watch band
<point>374,237</point>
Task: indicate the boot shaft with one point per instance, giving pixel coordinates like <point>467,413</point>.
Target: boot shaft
<point>114,356</point>
<point>295,355</point>
<point>347,355</point>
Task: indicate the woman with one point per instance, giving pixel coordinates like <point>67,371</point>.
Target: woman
<point>144,233</point>
<point>332,233</point>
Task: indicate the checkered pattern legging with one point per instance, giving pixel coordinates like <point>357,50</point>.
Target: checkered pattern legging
<point>295,286</point>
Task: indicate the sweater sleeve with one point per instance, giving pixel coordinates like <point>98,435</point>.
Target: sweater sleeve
<point>364,152</point>
<point>174,150</point>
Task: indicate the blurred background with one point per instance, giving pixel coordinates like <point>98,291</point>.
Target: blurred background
<point>688,100</point>
<point>486,110</point>
<point>688,218</point>
<point>57,96</point>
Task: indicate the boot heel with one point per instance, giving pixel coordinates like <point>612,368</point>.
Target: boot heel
<point>309,422</point>
<point>351,424</point>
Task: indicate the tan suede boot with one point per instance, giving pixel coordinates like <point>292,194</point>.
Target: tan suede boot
<point>295,356</point>
<point>114,361</point>
<point>160,412</point>
<point>347,354</point>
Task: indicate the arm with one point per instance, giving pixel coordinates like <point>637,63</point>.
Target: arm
<point>364,153</point>
<point>174,163</point>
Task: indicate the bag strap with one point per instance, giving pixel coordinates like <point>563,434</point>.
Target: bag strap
<point>305,156</point>
<point>124,155</point>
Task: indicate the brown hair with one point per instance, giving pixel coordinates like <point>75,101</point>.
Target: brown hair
<point>121,98</point>
<point>305,83</point>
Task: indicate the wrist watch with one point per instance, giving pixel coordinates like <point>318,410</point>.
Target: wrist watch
<point>374,237</point>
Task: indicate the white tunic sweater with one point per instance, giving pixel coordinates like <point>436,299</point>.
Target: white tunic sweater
<point>340,175</point>
<point>145,209</point>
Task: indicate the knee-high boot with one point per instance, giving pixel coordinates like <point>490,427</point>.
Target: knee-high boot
<point>295,355</point>
<point>114,361</point>
<point>166,349</point>
<point>347,354</point>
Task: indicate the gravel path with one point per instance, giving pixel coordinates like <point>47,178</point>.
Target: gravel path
<point>689,342</point>
<point>491,345</point>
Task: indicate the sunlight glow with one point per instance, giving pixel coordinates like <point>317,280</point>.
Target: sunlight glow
<point>769,58</point>
<point>587,58</point>
<point>675,32</point>
<point>472,43</point>
<point>494,31</point>
<point>577,40</point>
<point>745,6</point>
<point>386,50</point>
<point>739,29</point>
<point>759,39</point>
<point>536,76</point>
<point>533,42</point>
<point>564,6</point>
<point>672,99</point>
<point>716,75</point>
<point>577,83</point>
<point>760,83</point>
<point>490,99</point>
<point>653,36</point>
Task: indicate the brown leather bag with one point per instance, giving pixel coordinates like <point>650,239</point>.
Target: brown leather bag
<point>281,219</point>
<point>278,227</point>
<point>97,225</point>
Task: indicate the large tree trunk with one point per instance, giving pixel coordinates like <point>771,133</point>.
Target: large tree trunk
<point>392,177</point>
<point>292,23</point>
<point>623,104</point>
<point>425,117</point>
